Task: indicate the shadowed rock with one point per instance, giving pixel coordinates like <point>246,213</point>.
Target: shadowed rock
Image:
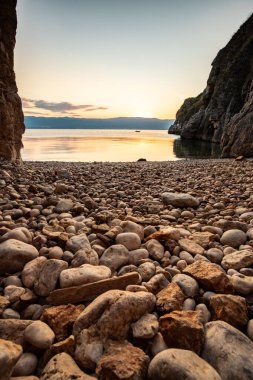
<point>11,115</point>
<point>223,112</point>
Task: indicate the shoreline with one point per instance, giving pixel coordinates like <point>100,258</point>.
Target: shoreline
<point>106,267</point>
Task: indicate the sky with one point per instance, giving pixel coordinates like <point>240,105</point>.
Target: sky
<point>113,58</point>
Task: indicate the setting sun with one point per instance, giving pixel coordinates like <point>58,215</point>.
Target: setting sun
<point>143,113</point>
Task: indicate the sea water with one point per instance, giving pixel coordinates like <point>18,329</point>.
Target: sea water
<point>89,145</point>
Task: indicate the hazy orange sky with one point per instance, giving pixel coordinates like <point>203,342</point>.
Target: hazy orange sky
<point>109,58</point>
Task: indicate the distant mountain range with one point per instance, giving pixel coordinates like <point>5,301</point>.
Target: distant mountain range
<point>137,123</point>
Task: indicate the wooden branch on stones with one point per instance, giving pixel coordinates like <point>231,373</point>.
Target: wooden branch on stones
<point>88,292</point>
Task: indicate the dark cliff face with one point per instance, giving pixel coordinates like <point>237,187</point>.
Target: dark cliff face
<point>223,112</point>
<point>11,115</point>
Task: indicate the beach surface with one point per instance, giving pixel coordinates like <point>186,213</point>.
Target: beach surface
<point>140,270</point>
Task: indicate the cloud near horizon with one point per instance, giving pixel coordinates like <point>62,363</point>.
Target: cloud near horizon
<point>59,107</point>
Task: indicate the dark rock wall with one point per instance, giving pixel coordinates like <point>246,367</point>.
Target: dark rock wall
<point>11,115</point>
<point>223,112</point>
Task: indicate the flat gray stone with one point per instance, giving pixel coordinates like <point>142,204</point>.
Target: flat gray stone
<point>228,350</point>
<point>176,364</point>
<point>237,260</point>
<point>180,200</point>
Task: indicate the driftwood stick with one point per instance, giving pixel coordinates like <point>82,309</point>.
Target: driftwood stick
<point>88,292</point>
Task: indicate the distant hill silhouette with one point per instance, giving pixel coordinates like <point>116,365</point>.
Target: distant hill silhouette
<point>33,122</point>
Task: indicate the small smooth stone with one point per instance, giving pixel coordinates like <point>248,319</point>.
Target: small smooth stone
<point>156,283</point>
<point>188,285</point>
<point>172,271</point>
<point>137,255</point>
<point>147,271</point>
<point>33,311</point>
<point>215,255</point>
<point>213,230</point>
<point>231,272</point>
<point>127,269</point>
<point>242,284</point>
<point>247,271</point>
<point>67,256</point>
<point>183,255</point>
<point>129,226</point>
<point>200,257</point>
<point>146,327</point>
<point>187,214</point>
<point>130,240</point>
<point>237,260</point>
<point>70,230</point>
<point>205,314</point>
<point>32,270</point>
<point>26,365</point>
<point>155,249</point>
<point>250,233</point>
<point>181,264</point>
<point>158,344</point>
<point>234,238</point>
<point>10,314</point>
<point>177,364</point>
<point>49,276</point>
<point>85,256</point>
<point>191,247</point>
<point>174,260</point>
<point>207,295</point>
<point>115,256</point>
<point>136,288</point>
<point>246,216</point>
<point>228,250</point>
<point>39,334</point>
<point>189,304</point>
<point>20,233</point>
<point>55,253</point>
<point>99,249</point>
<point>12,280</point>
<point>77,242</point>
<point>13,293</point>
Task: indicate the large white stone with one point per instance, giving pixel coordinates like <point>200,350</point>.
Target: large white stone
<point>85,274</point>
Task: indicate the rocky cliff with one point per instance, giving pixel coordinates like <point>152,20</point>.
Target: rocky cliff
<point>223,112</point>
<point>11,115</point>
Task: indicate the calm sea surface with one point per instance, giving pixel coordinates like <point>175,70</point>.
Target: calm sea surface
<point>89,145</point>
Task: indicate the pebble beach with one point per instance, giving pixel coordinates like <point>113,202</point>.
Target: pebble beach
<point>126,271</point>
